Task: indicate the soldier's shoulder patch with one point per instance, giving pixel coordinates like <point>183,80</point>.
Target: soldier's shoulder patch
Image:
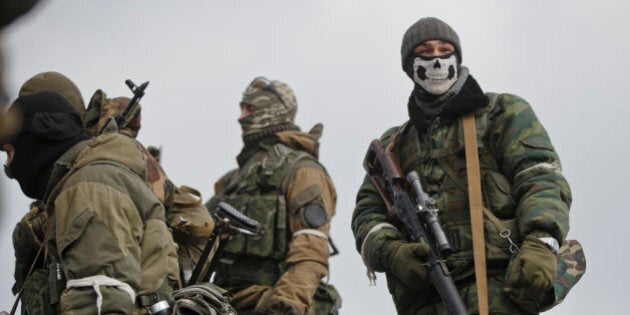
<point>315,215</point>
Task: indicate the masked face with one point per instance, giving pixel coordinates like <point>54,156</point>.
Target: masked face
<point>263,110</point>
<point>435,74</point>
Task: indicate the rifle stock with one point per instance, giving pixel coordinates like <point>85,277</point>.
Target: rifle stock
<point>418,220</point>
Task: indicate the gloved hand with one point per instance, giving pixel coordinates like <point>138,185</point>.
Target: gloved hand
<point>406,262</point>
<point>282,307</point>
<point>271,305</point>
<point>531,275</point>
<point>263,301</point>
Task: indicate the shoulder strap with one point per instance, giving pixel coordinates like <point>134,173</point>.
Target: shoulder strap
<point>395,138</point>
<point>476,214</point>
<point>294,161</point>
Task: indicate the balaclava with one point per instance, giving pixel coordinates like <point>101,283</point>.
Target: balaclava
<point>101,108</point>
<point>276,107</point>
<point>56,82</point>
<point>434,75</point>
<point>48,125</point>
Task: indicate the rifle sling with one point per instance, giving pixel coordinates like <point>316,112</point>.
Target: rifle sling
<point>476,211</point>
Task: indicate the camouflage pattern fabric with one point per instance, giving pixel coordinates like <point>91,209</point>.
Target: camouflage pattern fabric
<point>571,268</point>
<point>28,236</point>
<point>275,105</point>
<point>101,108</point>
<point>36,296</point>
<point>158,181</point>
<point>522,185</point>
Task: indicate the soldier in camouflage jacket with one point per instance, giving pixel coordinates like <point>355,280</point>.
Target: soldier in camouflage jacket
<point>190,225</point>
<point>29,232</point>
<point>109,242</point>
<point>522,186</point>
<point>281,184</point>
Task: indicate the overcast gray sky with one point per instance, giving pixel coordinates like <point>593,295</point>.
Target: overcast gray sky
<point>342,58</point>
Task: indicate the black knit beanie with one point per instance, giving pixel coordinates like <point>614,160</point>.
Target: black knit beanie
<point>428,28</point>
<point>50,126</point>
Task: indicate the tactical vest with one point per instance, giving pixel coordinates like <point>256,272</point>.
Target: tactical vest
<point>439,158</point>
<point>257,189</point>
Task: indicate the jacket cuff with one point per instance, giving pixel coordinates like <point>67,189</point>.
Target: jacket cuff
<point>374,247</point>
<point>541,234</point>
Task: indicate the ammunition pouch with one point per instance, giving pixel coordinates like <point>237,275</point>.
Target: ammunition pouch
<point>148,300</point>
<point>36,294</point>
<point>238,274</point>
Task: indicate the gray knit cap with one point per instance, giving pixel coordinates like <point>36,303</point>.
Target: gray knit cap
<point>428,28</point>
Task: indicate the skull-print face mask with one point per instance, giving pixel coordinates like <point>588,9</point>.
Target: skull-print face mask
<point>435,74</point>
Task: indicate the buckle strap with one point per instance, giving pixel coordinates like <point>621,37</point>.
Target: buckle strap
<point>147,300</point>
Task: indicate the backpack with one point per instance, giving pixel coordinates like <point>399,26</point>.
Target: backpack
<point>192,225</point>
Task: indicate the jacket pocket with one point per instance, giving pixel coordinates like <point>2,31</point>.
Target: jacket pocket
<point>498,195</point>
<point>270,212</point>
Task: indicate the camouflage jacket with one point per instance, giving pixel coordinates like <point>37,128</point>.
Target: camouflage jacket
<point>28,234</point>
<point>522,186</point>
<point>281,185</point>
<point>109,229</point>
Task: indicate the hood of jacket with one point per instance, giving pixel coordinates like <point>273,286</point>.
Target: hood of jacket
<point>304,141</point>
<point>113,147</point>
